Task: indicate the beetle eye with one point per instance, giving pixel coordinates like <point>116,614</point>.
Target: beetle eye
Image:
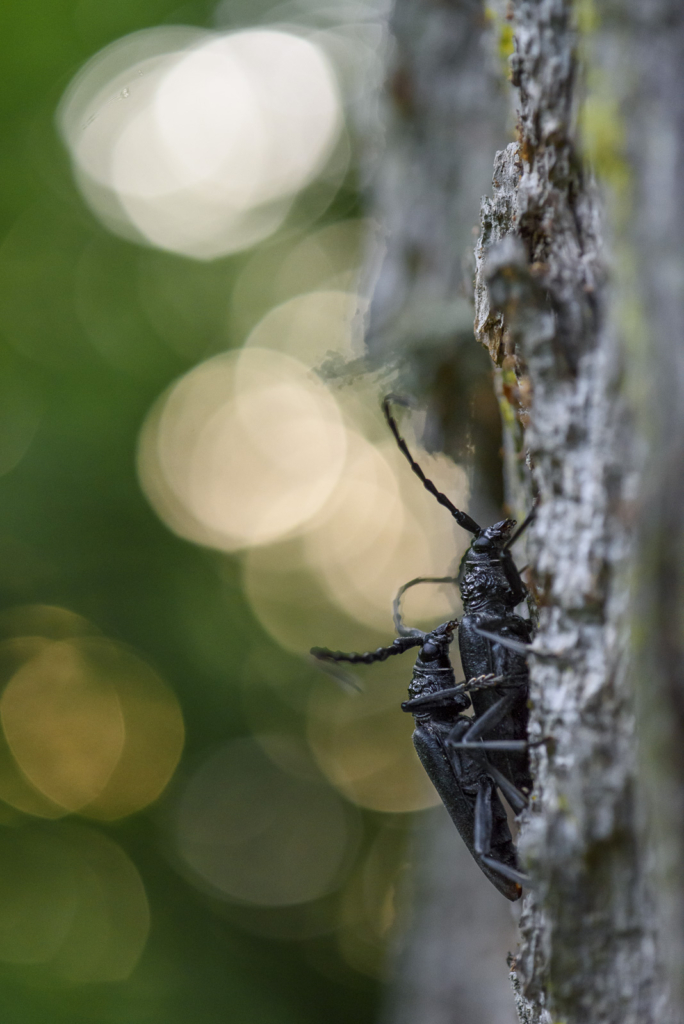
<point>481,544</point>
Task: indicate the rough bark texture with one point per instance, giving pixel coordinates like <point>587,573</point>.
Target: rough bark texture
<point>588,948</point>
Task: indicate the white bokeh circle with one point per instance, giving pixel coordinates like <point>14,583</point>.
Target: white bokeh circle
<point>198,142</point>
<point>243,450</point>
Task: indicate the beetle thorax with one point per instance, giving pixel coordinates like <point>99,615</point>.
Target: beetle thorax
<point>486,585</point>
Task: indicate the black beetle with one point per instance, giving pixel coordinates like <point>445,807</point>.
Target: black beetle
<point>465,768</point>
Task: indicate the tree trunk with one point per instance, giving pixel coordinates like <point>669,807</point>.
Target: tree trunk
<point>649,37</point>
<point>568,276</point>
<point>543,309</point>
<point>444,111</point>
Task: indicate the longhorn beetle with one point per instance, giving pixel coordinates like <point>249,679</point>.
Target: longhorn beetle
<point>464,767</point>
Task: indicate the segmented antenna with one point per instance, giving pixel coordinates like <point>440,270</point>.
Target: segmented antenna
<point>401,629</point>
<point>461,518</point>
<point>400,645</point>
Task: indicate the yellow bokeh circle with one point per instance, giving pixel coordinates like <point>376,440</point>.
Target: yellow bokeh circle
<point>87,725</point>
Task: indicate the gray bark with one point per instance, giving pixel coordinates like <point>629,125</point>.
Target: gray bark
<point>444,115</point>
<point>444,111</point>
<point>588,947</point>
<point>648,38</point>
<point>456,932</point>
<point>584,391</point>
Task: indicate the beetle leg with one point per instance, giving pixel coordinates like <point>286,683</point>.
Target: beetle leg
<point>503,869</point>
<point>471,741</point>
<point>490,680</point>
<point>483,818</point>
<point>491,717</point>
<point>477,749</point>
<point>428,701</point>
<point>515,797</point>
<point>513,645</point>
<point>484,823</point>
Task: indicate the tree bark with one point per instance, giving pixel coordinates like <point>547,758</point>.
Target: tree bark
<point>443,112</point>
<point>583,388</point>
<point>588,947</point>
<point>648,94</point>
<point>449,956</point>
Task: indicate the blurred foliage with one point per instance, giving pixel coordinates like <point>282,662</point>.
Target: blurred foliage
<point>92,330</point>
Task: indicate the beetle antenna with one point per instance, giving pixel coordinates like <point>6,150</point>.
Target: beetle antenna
<point>346,680</point>
<point>462,518</point>
<point>403,643</point>
<point>523,526</point>
<point>401,629</point>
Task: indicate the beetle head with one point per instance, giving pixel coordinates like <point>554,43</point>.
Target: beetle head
<point>436,644</point>
<point>493,538</point>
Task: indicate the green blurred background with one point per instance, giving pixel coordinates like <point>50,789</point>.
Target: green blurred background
<point>252,876</point>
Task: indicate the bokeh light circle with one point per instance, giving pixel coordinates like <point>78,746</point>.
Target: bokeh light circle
<point>253,834</point>
<point>197,142</point>
<point>257,109</point>
<point>377,531</point>
<point>311,326</point>
<point>154,731</point>
<point>72,904</point>
<point>292,604</point>
<point>243,450</point>
<point>63,725</point>
<point>362,743</point>
<point>87,725</point>
<point>48,621</point>
<point>320,261</point>
<point>15,788</point>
